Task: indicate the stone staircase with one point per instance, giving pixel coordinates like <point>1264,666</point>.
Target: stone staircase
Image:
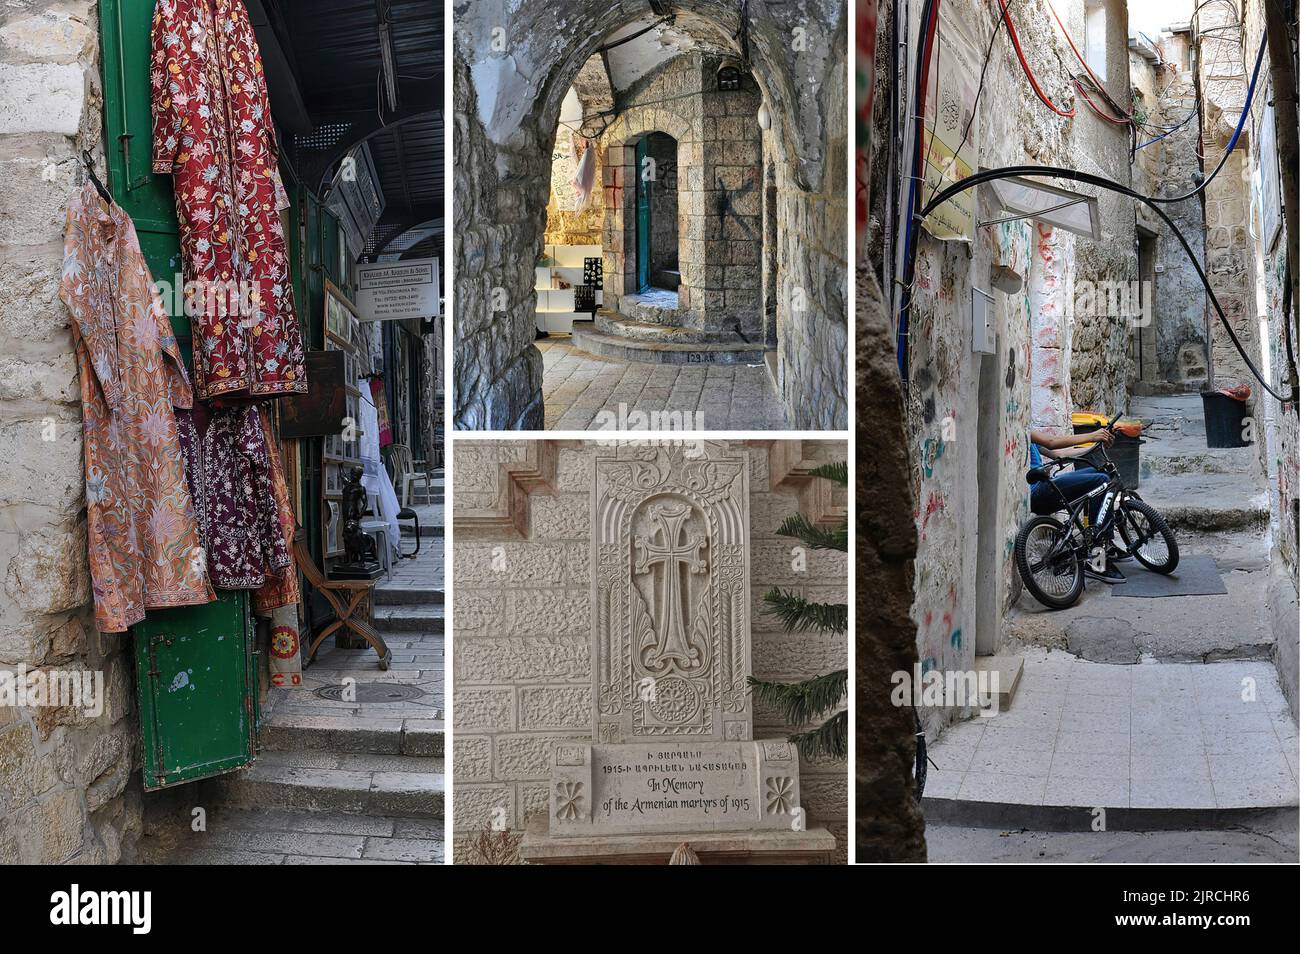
<point>651,328</point>
<point>1196,487</point>
<point>351,765</point>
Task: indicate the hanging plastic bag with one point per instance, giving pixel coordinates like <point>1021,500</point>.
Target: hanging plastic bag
<point>585,176</point>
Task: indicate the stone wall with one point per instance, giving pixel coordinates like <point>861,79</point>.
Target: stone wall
<point>812,277</point>
<point>522,624</point>
<point>1052,356</point>
<point>1173,355</point>
<point>1229,253</point>
<point>496,371</point>
<point>718,196</point>
<point>63,774</point>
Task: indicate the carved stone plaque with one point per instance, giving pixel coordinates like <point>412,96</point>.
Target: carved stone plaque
<point>676,786</point>
<point>670,552</point>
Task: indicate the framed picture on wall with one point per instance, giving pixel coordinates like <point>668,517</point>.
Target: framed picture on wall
<point>340,315</point>
<point>332,527</point>
<point>333,480</point>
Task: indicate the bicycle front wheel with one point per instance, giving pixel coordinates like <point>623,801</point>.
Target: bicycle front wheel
<point>1049,565</point>
<point>1147,536</point>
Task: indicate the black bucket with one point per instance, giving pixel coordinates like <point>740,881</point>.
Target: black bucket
<point>1125,453</point>
<point>1225,420</point>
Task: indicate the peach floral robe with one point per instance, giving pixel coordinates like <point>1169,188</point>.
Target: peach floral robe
<point>143,541</point>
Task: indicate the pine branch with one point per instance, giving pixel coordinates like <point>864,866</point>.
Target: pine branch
<point>830,739</point>
<point>836,471</point>
<point>798,615</point>
<point>801,702</point>
<point>816,538</point>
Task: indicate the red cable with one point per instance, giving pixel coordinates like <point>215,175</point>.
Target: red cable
<point>918,163</point>
<point>1033,81</point>
<point>1101,87</point>
<point>1095,108</point>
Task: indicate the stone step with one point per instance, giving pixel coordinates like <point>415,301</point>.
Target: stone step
<point>411,786</point>
<point>428,531</point>
<point>586,338</point>
<point>426,617</point>
<point>259,836</point>
<point>1200,501</point>
<point>378,735</point>
<point>609,323</point>
<point>397,595</point>
<point>290,732</point>
<point>657,306</point>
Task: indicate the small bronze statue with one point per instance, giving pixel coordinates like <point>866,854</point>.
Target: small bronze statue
<point>359,545</point>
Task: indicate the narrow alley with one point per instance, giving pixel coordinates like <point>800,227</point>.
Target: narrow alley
<point>351,765</point>
<point>1086,293</point>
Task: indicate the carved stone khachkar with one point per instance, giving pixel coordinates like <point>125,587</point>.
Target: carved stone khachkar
<point>672,720</point>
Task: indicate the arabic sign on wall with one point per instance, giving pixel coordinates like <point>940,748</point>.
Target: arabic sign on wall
<point>951,141</point>
<point>392,291</point>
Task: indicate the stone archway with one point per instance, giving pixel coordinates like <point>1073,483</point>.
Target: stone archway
<point>513,64</point>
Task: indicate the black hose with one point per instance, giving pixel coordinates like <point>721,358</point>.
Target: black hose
<point>1006,172</point>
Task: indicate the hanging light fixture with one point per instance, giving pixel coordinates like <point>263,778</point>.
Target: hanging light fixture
<point>764,117</point>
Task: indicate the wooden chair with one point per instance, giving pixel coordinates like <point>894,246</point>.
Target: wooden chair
<point>348,597</point>
<point>405,474</point>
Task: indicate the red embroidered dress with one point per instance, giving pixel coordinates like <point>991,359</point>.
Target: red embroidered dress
<point>212,129</point>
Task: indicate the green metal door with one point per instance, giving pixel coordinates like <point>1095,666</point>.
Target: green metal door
<point>196,683</point>
<point>644,183</point>
<point>194,678</point>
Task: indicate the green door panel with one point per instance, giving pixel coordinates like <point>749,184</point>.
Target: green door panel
<point>196,688</point>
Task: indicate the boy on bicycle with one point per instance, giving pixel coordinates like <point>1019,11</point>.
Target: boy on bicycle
<point>1074,484</point>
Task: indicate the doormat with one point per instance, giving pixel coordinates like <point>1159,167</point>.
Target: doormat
<point>1197,575</point>
<point>371,692</point>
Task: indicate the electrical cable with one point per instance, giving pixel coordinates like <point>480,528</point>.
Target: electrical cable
<point>1078,85</point>
<point>1173,129</point>
<point>1232,143</point>
<point>929,23</point>
<point>1127,114</point>
<point>1104,183</point>
<point>1020,54</point>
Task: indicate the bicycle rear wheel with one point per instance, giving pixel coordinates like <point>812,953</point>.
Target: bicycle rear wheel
<point>1051,568</point>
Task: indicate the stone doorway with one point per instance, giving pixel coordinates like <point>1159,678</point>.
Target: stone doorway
<point>657,226</point>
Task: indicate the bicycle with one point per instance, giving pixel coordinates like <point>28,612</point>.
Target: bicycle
<point>1051,554</point>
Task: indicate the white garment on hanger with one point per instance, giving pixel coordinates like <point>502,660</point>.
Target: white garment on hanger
<point>375,478</point>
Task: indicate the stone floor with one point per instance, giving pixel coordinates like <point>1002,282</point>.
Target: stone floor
<point>1270,840</point>
<point>250,837</point>
<point>577,386</point>
<point>1159,735</point>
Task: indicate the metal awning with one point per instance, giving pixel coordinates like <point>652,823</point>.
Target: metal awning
<point>1018,197</point>
<point>346,72</point>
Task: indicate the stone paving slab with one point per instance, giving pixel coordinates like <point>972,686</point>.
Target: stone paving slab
<point>1156,736</point>
<point>258,837</point>
<point>576,386</point>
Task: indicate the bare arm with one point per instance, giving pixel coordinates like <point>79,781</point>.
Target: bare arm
<point>1052,442</point>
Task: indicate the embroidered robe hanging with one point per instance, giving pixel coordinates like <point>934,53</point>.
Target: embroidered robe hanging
<point>228,464</point>
<point>144,546</point>
<point>212,130</point>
